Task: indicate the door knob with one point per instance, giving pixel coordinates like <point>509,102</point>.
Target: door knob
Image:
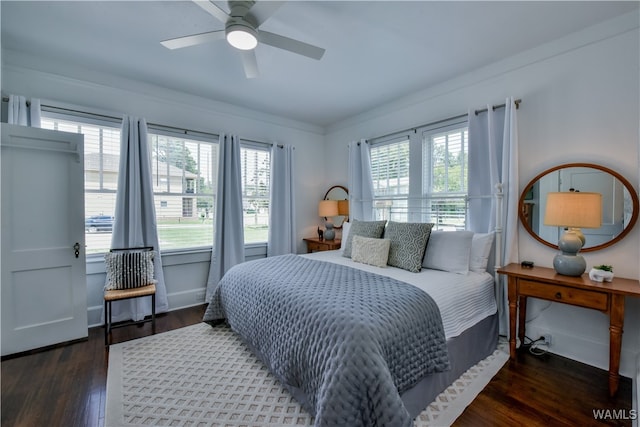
<point>76,248</point>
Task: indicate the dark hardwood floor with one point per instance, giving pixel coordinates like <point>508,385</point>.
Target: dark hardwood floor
<point>66,386</point>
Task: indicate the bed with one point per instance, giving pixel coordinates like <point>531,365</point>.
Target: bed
<point>358,343</point>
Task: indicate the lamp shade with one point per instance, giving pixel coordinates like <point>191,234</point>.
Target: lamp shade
<point>327,208</point>
<point>343,207</point>
<point>574,209</point>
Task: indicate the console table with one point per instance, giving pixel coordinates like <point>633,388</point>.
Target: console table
<point>545,283</point>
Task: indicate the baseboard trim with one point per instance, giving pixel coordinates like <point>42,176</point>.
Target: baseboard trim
<point>177,301</point>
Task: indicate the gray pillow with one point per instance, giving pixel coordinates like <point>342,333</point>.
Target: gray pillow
<point>365,229</point>
<point>408,243</point>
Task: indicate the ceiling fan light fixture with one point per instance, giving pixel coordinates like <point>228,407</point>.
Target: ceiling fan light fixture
<point>241,36</point>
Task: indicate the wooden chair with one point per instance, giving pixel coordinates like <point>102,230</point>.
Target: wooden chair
<point>129,293</point>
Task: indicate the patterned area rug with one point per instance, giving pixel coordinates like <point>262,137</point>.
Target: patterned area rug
<point>203,376</point>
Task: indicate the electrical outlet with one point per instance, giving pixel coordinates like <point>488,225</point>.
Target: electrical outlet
<point>547,339</point>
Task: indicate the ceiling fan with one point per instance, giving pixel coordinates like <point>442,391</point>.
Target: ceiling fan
<point>241,31</point>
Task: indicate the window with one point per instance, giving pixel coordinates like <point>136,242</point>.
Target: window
<point>184,173</point>
<point>422,176</point>
<point>101,157</point>
<point>185,176</point>
<point>445,154</point>
<point>184,179</point>
<point>390,174</point>
<point>256,171</point>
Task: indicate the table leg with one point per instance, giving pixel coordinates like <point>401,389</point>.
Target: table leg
<point>616,322</point>
<point>513,312</point>
<point>522,317</point>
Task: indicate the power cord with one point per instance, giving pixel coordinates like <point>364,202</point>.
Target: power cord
<point>536,347</point>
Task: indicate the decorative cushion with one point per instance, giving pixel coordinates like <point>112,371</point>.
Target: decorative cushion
<point>449,251</point>
<point>368,250</point>
<point>365,229</point>
<point>480,249</point>
<point>346,226</point>
<point>127,270</point>
<point>408,243</point>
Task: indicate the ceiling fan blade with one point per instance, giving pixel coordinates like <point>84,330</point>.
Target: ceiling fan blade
<point>195,39</point>
<point>250,63</point>
<point>291,45</point>
<point>262,10</point>
<point>213,10</point>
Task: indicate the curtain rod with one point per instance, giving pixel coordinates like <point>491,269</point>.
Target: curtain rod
<point>114,118</point>
<point>495,107</point>
<point>476,112</point>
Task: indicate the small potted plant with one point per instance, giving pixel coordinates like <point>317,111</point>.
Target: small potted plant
<point>601,273</point>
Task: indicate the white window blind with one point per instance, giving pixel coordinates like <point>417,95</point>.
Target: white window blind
<point>390,174</point>
<point>390,168</point>
<point>445,157</point>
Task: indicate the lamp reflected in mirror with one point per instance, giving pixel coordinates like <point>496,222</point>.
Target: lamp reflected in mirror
<point>341,195</point>
<point>572,210</point>
<point>619,203</point>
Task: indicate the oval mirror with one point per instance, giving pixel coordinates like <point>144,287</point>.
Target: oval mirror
<point>619,203</point>
<point>341,194</point>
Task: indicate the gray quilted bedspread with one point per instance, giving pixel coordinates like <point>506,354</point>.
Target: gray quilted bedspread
<point>348,340</point>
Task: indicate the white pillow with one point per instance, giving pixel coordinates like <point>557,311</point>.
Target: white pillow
<point>449,251</point>
<point>480,249</point>
<point>345,233</point>
<point>369,250</point>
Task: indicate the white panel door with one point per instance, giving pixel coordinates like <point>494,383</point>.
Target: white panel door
<point>597,181</point>
<point>44,291</point>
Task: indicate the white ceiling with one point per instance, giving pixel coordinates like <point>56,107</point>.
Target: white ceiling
<point>376,51</point>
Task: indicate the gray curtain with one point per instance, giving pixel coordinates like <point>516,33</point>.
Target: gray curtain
<point>228,242</point>
<point>282,224</point>
<point>135,217</point>
<point>493,159</point>
<point>23,112</point>
<point>360,181</point>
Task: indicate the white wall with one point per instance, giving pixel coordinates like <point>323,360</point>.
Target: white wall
<point>579,104</point>
<point>90,90</point>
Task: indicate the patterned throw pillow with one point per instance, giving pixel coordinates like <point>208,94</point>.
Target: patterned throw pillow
<point>365,229</point>
<point>368,250</point>
<point>408,243</point>
<point>128,270</point>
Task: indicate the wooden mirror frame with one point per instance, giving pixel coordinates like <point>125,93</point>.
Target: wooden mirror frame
<point>343,217</point>
<point>627,185</point>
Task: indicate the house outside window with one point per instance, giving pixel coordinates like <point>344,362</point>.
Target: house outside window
<point>421,175</point>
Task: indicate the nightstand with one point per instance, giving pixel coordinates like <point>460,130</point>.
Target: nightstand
<point>545,283</point>
<point>315,244</point>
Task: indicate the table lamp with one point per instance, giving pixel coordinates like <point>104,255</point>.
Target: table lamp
<point>343,209</point>
<point>328,209</point>
<point>572,210</point>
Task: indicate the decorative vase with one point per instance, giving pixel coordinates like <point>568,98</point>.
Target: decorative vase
<point>600,275</point>
<point>329,232</point>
